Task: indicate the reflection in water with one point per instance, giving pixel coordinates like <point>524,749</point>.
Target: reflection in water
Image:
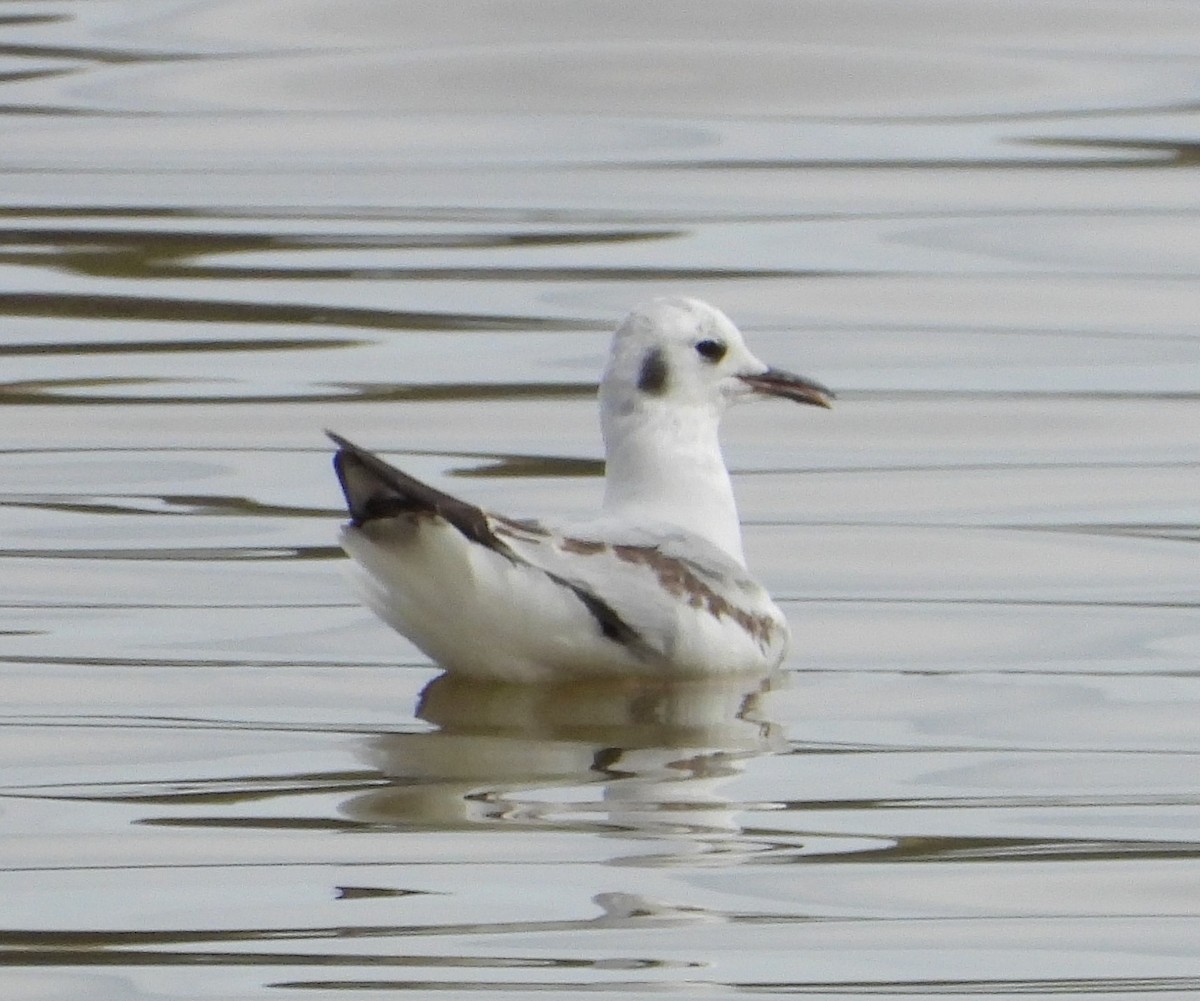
<point>658,754</point>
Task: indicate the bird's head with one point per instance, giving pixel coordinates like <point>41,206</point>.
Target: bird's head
<point>686,353</point>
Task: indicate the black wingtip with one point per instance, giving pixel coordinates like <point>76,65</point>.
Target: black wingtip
<point>357,500</point>
<point>375,489</point>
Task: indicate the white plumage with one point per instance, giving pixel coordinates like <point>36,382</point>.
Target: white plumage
<point>656,586</point>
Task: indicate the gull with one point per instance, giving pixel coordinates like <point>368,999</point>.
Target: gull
<point>656,586</point>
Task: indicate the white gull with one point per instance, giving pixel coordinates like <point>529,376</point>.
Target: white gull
<point>656,586</point>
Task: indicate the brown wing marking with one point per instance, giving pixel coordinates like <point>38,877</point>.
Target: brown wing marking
<point>678,578</point>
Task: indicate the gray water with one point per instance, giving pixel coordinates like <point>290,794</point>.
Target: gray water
<point>225,226</point>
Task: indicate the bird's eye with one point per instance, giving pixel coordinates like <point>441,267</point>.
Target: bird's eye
<point>713,351</point>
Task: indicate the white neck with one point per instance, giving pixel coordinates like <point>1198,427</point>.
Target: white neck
<point>664,464</point>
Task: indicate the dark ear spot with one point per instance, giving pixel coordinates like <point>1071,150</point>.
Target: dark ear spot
<point>653,377</point>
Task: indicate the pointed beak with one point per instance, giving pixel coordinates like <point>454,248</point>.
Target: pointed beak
<point>777,382</point>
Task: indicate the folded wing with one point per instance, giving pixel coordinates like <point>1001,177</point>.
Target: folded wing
<point>495,596</point>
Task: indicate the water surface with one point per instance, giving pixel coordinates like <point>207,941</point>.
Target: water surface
<point>225,226</point>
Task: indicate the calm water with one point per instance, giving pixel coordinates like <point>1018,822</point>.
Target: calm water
<point>225,226</point>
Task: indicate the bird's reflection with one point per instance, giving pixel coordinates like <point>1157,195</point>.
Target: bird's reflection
<point>646,760</point>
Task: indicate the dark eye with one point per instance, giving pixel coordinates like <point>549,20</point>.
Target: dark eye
<point>714,351</point>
